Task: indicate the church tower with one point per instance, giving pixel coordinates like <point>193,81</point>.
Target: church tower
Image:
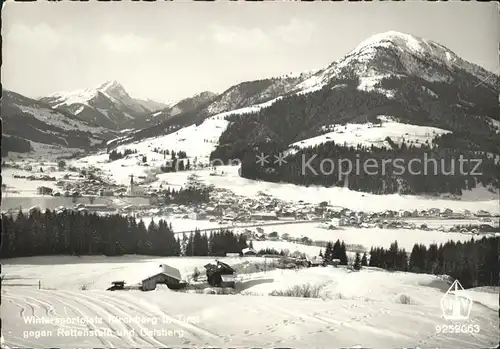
<point>131,185</point>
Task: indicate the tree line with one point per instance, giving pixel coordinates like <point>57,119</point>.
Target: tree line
<point>405,168</point>
<point>335,251</point>
<point>81,233</point>
<point>15,144</point>
<point>474,263</point>
<point>186,196</point>
<point>214,243</point>
<point>116,155</point>
<point>178,162</point>
<point>451,106</point>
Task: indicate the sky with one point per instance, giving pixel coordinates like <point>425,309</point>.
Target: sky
<point>167,51</point>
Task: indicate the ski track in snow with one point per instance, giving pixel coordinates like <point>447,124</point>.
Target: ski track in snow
<point>365,314</point>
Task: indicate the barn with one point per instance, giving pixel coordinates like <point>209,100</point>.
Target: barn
<point>44,190</point>
<point>169,276</point>
<point>220,274</point>
<point>249,252</point>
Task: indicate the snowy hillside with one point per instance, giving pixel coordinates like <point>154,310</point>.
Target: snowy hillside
<point>183,106</point>
<point>152,105</point>
<point>256,92</point>
<point>369,308</point>
<point>198,141</point>
<point>37,122</point>
<point>369,134</point>
<point>390,55</point>
<point>196,109</point>
<point>118,171</point>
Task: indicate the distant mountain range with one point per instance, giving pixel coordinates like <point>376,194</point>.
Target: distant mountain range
<point>414,79</point>
<point>410,79</point>
<point>28,119</point>
<point>108,105</point>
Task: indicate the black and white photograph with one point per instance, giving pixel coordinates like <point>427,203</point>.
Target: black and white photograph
<point>233,174</point>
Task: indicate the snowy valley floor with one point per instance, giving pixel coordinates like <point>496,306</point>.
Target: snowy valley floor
<point>364,308</point>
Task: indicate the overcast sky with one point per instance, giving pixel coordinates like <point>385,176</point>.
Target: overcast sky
<point>171,50</point>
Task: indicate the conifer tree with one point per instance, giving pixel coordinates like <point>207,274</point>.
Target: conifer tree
<point>343,254</point>
<point>364,260</point>
<point>357,262</point>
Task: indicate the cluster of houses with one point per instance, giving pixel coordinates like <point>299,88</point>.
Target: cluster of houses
<point>225,206</point>
<point>36,177</point>
<point>93,185</point>
<point>218,273</point>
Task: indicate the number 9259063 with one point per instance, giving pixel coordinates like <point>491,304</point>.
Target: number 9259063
<point>457,328</point>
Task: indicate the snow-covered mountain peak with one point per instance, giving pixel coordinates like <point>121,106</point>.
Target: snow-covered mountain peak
<point>395,53</point>
<point>81,96</point>
<point>108,104</point>
<point>109,85</point>
<point>113,88</point>
<point>116,92</point>
<point>400,42</point>
<point>392,37</point>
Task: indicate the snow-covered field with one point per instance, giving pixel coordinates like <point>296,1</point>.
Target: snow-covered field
<point>364,308</point>
<point>97,273</point>
<point>369,134</point>
<point>368,237</point>
<point>22,187</point>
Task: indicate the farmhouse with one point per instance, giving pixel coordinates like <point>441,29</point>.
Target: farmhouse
<point>97,207</point>
<point>264,216</point>
<point>44,190</point>
<point>274,236</point>
<point>197,215</point>
<point>315,261</point>
<point>456,215</point>
<point>335,222</point>
<point>482,213</point>
<point>169,276</point>
<point>104,192</point>
<point>220,274</point>
<point>249,252</point>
